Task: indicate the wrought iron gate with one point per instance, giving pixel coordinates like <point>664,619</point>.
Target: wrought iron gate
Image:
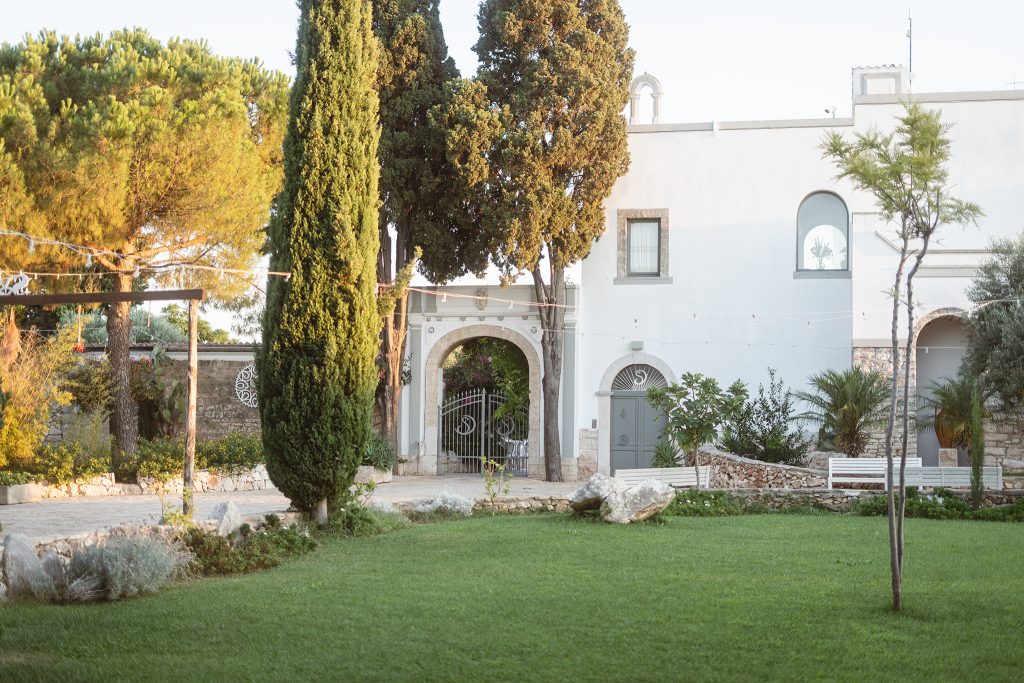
<point>474,427</point>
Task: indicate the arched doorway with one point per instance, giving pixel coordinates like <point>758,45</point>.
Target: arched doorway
<point>636,425</point>
<point>941,345</point>
<point>433,459</point>
<point>484,411</point>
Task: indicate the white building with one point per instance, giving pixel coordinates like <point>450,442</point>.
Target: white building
<point>731,248</point>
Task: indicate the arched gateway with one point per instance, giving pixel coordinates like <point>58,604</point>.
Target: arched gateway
<point>471,416</point>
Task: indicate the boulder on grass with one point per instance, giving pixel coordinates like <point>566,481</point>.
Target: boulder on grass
<point>592,494</point>
<point>227,517</point>
<point>24,572</point>
<point>55,567</point>
<point>638,503</point>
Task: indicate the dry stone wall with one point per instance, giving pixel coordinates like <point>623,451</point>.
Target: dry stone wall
<point>205,481</point>
<point>730,471</point>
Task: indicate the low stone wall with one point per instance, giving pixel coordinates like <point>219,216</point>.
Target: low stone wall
<point>730,471</point>
<point>521,505</point>
<point>841,500</point>
<point>101,485</point>
<point>206,481</point>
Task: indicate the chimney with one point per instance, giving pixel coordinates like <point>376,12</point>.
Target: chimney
<point>880,80</point>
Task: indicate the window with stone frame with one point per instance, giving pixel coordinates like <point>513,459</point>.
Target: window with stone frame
<point>642,246</point>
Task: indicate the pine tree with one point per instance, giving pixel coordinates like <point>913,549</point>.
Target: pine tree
<point>540,137</point>
<point>316,367</point>
<point>421,202</point>
<point>149,156</point>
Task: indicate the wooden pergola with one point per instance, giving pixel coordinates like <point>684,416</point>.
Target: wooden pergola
<point>194,297</point>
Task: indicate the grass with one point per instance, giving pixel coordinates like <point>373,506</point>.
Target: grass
<point>548,598</point>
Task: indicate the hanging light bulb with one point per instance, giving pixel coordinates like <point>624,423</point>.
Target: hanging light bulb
<point>31,246</point>
<point>88,260</point>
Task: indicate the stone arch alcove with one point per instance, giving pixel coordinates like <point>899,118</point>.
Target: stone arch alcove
<point>644,80</point>
<point>940,340</point>
<point>432,386</point>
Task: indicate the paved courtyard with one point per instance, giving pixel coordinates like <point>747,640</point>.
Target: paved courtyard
<point>71,517</point>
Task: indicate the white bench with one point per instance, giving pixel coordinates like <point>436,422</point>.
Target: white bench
<point>677,477</point>
<point>953,477</point>
<point>863,470</point>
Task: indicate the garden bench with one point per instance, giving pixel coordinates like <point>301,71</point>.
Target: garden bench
<point>953,477</point>
<point>862,470</point>
<point>676,477</point>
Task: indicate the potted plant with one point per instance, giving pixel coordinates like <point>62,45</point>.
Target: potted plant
<point>951,403</point>
<point>378,461</point>
<point>18,487</point>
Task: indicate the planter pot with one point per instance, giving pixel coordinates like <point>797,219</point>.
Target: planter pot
<point>22,493</point>
<point>365,474</point>
<point>402,469</point>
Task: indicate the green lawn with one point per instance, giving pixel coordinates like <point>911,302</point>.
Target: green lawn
<point>783,597</point>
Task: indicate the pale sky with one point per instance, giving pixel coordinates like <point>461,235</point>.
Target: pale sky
<point>716,60</point>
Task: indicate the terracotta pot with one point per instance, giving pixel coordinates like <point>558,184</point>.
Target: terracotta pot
<point>944,432</point>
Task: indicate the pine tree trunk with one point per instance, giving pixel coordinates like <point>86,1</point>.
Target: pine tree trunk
<point>124,420</point>
<point>552,345</point>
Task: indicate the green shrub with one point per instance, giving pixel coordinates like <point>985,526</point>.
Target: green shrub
<point>665,455</point>
<point>705,504</point>
<point>123,567</point>
<point>245,550</point>
<point>91,387</point>
<point>762,427</point>
<point>160,459</point>
<point>358,521</point>
<point>91,432</point>
<point>60,463</point>
<point>235,451</point>
<point>380,453</point>
<point>8,478</point>
<point>942,504</point>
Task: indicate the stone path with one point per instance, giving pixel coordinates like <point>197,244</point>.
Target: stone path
<point>54,519</point>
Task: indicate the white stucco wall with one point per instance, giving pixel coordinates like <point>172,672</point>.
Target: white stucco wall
<point>734,307</point>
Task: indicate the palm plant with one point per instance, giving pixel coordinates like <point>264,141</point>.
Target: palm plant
<point>952,405</point>
<point>847,404</point>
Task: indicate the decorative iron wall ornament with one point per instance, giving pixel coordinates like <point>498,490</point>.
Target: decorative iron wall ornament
<point>15,285</point>
<point>639,378</point>
<point>245,386</point>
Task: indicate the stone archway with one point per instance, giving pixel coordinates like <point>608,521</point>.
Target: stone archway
<point>940,340</point>
<point>432,386</point>
<point>604,401</point>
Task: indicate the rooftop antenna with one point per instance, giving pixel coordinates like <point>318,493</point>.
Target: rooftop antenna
<point>910,50</point>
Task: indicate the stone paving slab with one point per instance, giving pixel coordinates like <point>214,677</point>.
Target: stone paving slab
<point>54,519</point>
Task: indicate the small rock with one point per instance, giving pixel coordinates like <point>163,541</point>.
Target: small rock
<point>636,504</point>
<point>592,494</point>
<point>226,517</point>
<point>24,572</point>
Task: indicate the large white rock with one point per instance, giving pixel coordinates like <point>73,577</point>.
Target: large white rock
<point>638,503</point>
<point>227,517</point>
<point>592,494</point>
<point>24,572</point>
<point>55,567</point>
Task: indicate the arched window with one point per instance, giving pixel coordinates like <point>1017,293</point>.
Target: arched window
<point>823,229</point>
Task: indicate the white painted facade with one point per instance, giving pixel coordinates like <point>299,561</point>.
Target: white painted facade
<point>732,303</point>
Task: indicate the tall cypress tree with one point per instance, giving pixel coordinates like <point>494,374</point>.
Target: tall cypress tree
<point>316,367</point>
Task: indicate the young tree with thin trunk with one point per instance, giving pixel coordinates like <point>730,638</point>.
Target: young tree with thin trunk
<point>907,173</point>
<point>423,212</point>
<point>320,332</point>
<point>540,137</point>
<point>150,156</point>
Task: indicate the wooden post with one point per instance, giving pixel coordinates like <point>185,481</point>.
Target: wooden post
<point>190,405</point>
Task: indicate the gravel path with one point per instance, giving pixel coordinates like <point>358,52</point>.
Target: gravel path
<point>59,518</point>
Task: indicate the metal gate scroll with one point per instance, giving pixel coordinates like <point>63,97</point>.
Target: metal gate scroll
<point>475,426</point>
